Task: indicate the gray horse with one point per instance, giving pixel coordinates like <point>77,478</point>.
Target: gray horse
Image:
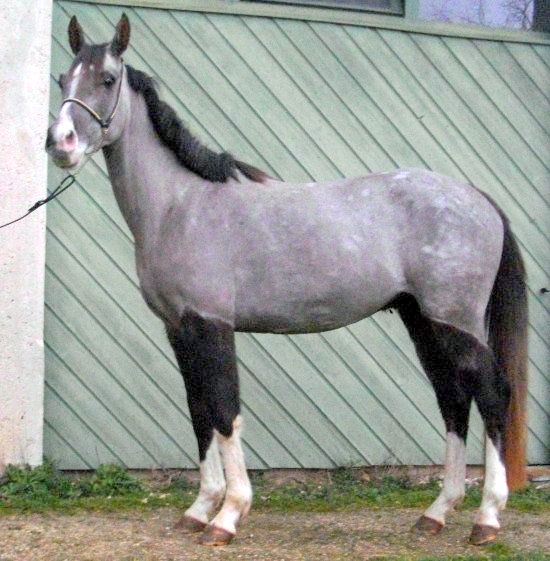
<point>221,247</point>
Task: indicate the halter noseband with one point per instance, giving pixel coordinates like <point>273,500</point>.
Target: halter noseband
<point>103,123</point>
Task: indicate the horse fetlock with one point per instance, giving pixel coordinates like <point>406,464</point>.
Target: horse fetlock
<point>208,500</point>
<point>500,498</point>
<point>246,506</point>
<point>494,500</point>
<point>215,495</point>
<point>234,509</point>
<point>456,500</point>
<point>241,499</point>
<point>487,516</point>
<point>445,503</point>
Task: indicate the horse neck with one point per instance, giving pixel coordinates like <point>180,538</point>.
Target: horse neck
<point>147,180</point>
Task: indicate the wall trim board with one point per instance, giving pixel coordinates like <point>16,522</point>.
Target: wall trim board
<point>331,15</point>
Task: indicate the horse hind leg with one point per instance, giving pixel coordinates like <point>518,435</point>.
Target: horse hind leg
<point>205,351</point>
<point>454,402</point>
<point>492,395</point>
<point>462,368</point>
<point>478,377</point>
<point>433,519</point>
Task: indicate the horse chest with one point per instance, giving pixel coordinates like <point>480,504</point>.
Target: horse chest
<point>171,288</point>
<point>151,286</point>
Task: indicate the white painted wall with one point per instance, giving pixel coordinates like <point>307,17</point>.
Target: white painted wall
<point>24,92</point>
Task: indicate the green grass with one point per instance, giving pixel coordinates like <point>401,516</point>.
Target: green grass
<point>344,490</point>
<point>112,488</point>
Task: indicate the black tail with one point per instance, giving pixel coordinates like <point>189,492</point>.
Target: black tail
<point>508,321</point>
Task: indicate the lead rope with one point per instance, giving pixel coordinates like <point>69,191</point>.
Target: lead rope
<point>70,179</point>
<point>63,186</point>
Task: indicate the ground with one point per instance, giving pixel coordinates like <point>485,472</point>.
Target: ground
<point>267,535</point>
<point>346,514</point>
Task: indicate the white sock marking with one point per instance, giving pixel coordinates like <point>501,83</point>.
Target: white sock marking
<point>454,480</point>
<point>212,489</point>
<point>495,488</point>
<point>239,492</point>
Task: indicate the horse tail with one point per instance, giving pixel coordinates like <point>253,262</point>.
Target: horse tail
<point>508,322</point>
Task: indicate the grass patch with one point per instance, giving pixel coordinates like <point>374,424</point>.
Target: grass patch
<point>111,487</point>
<point>529,499</point>
<point>344,490</point>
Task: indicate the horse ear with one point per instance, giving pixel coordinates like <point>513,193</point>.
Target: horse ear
<point>76,35</point>
<point>122,36</point>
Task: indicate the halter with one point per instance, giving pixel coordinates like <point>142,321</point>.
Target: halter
<point>70,179</point>
<point>103,123</point>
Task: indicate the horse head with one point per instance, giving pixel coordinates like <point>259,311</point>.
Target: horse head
<point>95,100</point>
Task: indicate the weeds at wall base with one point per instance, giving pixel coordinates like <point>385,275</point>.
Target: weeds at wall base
<point>111,488</point>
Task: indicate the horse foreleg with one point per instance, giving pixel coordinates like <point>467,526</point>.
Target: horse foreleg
<point>238,497</point>
<point>205,350</point>
<point>211,493</point>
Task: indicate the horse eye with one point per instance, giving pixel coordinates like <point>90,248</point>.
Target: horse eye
<point>108,81</point>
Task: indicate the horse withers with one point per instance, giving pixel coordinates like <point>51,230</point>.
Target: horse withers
<point>221,247</point>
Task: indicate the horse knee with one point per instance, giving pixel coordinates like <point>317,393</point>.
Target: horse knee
<point>224,414</point>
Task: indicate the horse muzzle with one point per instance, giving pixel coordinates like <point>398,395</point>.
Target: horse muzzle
<point>63,148</point>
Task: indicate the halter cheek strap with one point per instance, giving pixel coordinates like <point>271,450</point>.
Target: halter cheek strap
<point>103,123</point>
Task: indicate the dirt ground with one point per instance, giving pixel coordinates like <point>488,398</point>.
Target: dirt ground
<point>266,536</point>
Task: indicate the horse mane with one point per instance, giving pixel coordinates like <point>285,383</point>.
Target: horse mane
<point>189,151</point>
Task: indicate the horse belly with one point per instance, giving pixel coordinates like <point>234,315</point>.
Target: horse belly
<point>314,311</point>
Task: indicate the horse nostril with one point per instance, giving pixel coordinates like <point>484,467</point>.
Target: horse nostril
<point>68,144</point>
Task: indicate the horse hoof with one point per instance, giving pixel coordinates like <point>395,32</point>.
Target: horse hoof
<point>213,535</point>
<point>427,525</point>
<point>189,525</point>
<point>482,534</point>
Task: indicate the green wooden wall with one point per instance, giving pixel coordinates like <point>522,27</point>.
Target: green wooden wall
<point>304,100</point>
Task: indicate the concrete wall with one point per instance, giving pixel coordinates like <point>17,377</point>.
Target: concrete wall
<point>24,92</point>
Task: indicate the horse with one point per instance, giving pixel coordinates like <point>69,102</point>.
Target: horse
<point>221,247</point>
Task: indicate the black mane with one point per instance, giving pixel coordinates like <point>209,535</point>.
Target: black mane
<point>189,151</point>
